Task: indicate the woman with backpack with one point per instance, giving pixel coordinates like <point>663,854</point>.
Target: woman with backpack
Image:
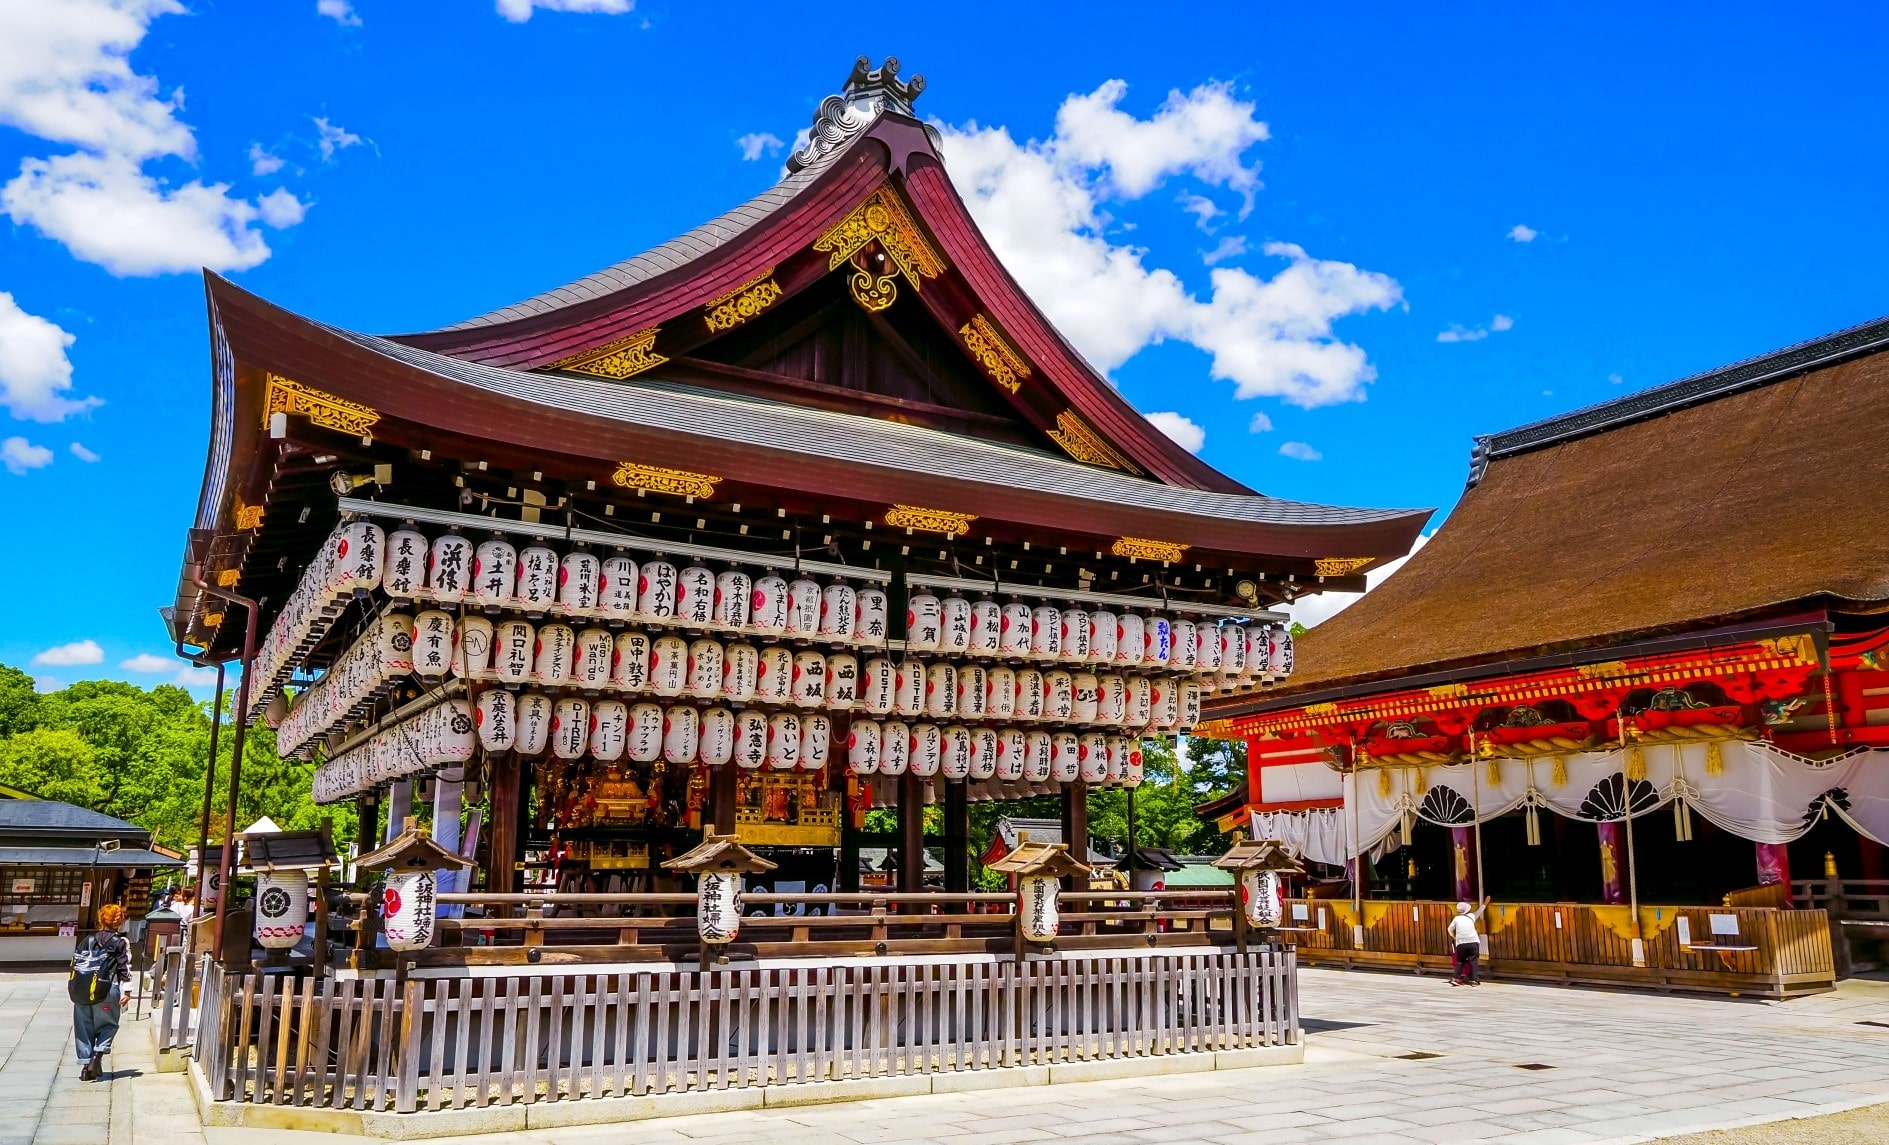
<point>100,963</point>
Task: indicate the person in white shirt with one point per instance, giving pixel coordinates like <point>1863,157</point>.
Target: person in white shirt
<point>1467,943</point>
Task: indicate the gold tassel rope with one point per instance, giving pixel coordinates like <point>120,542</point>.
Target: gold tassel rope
<point>1714,759</point>
<point>1495,773</point>
<point>1636,764</point>
<point>1682,821</point>
<point>1409,825</point>
<point>1383,783</point>
<point>1418,783</point>
<point>1532,819</point>
<point>1560,776</point>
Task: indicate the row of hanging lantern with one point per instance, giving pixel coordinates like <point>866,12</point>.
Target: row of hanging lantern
<point>381,657</point>
<point>1009,754</point>
<point>438,736</point>
<point>350,561</point>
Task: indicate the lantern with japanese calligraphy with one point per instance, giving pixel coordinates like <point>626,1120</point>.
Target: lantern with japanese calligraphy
<point>695,596</point>
<point>1139,704</point>
<point>570,728</point>
<point>955,761</point>
<point>1046,630</point>
<point>590,666</point>
<point>457,735</point>
<point>739,664</point>
<point>954,624</point>
<point>681,734</point>
<point>895,747</point>
<point>816,740</point>
<point>1158,641</point>
<point>783,741</point>
<point>407,903</point>
<point>645,736</point>
<point>941,689</point>
<point>706,660</point>
<point>494,571</point>
<point>803,606</point>
<point>513,644</point>
<point>926,754</point>
<point>1065,763</point>
<point>733,588</point>
<point>768,606</point>
<point>774,675</point>
<point>842,682</point>
<point>656,589</point>
<point>1279,650</point>
<point>1131,638</point>
<point>609,730</point>
<point>1182,647</point>
<point>1084,692</point>
<point>395,646</point>
<point>449,568</point>
<point>619,586</point>
<point>1038,912</point>
<point>669,666</point>
<point>717,737</point>
<point>809,679</point>
<point>1075,637</point>
<point>496,713</point>
<point>537,584</point>
<point>552,663</point>
<point>972,682</point>
<point>1059,696</point>
<point>862,747</point>
<point>281,908</point>
<point>1111,699</point>
<point>534,723</point>
<point>358,548</point>
<point>472,648</point>
<point>432,650</point>
<point>1206,647</point>
<point>1164,703</point>
<point>1030,695</point>
<point>718,906</point>
<point>838,609</point>
<point>1232,650</point>
<point>1092,757</point>
<point>923,616</point>
<point>1011,754</point>
<point>629,661</point>
<point>1000,692</point>
<point>580,581</point>
<point>878,686</point>
<point>869,619</point>
<point>987,627</point>
<point>983,753</point>
<point>1104,632</point>
<point>1014,634</point>
<point>1260,891</point>
<point>1117,758</point>
<point>405,572</point>
<point>750,738</point>
<point>1190,704</point>
<point>1039,757</point>
<point>908,696</point>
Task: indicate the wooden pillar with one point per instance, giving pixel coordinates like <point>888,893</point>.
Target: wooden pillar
<point>911,833</point>
<point>367,829</point>
<point>508,821</point>
<point>957,837</point>
<point>1613,864</point>
<point>722,798</point>
<point>848,880</point>
<point>1076,824</point>
<point>399,808</point>
<point>1870,852</point>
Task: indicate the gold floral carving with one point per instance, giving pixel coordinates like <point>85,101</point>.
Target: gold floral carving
<point>883,219</point>
<point>929,520</point>
<point>247,516</point>
<point>212,619</point>
<point>1086,445</point>
<point>623,358</point>
<point>1339,566</point>
<point>742,303</point>
<point>1005,366</point>
<point>228,578</point>
<point>1143,549</point>
<point>654,478</point>
<point>323,409</point>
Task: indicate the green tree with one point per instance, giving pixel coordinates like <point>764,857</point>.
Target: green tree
<point>19,703</point>
<point>52,763</point>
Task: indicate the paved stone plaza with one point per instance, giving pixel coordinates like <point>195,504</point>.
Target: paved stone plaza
<point>1621,1067</point>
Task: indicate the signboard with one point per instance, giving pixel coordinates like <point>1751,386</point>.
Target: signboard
<point>1725,924</point>
<point>24,886</point>
<point>68,930</point>
<point>1300,912</point>
<point>1684,926</point>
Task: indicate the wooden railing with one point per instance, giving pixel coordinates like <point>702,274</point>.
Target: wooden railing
<point>1858,898</point>
<point>1774,953</point>
<point>455,1041</point>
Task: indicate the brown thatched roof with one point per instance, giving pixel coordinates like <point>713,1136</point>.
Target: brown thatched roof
<point>1736,494</point>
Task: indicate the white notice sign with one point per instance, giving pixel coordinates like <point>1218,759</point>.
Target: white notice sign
<point>1557,920</point>
<point>1300,912</point>
<point>1685,930</point>
<point>1321,918</point>
<point>1726,924</point>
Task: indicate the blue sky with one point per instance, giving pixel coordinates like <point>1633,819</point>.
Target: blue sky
<point>1695,183</point>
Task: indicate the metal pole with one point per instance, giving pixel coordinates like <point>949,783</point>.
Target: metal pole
<point>1633,873</point>
<point>227,861</point>
<point>209,772</point>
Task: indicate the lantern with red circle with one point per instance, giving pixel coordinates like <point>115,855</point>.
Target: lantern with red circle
<point>609,730</point>
<point>774,675</point>
<point>941,689</point>
<point>570,728</point>
<point>739,665</point>
<point>1039,757</point>
<point>767,613</point>
<point>449,568</point>
<point>1065,764</point>
<point>1139,706</point>
<point>1013,637</point>
<point>1000,693</point>
<point>1046,630</point>
<point>803,606</point>
<point>895,747</point>
<point>809,679</point>
<point>717,744</point>
<point>816,740</point>
<point>496,713</point>
<point>1031,698</point>
<point>580,582</point>
<point>514,646</point>
<point>733,588</point>
<point>1084,690</point>
<point>1012,754</point>
<point>629,661</point>
<point>987,627</point>
<point>596,650</point>
<point>432,650</point>
<point>1111,699</point>
<point>695,596</point>
<point>954,625</point>
<point>494,572</point>
<point>750,738</point>
<point>669,666</point>
<point>537,584</point>
<point>1158,641</point>
<point>619,586</point>
<point>405,568</point>
<point>908,697</point>
<point>955,762</point>
<point>1075,637</point>
<point>656,590</point>
<point>926,754</point>
<point>472,648</point>
<point>1183,643</point>
<point>552,663</point>
<point>878,686</point>
<point>1059,696</point>
<point>706,661</point>
<point>1092,757</point>
<point>839,607</point>
<point>869,619</point>
<point>1131,638</point>
<point>923,615</point>
<point>972,683</point>
<point>681,733</point>
<point>644,742</point>
<point>842,682</point>
<point>783,741</point>
<point>862,747</point>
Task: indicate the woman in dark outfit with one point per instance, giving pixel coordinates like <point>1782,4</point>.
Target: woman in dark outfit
<point>99,965</point>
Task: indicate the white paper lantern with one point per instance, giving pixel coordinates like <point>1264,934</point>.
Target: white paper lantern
<point>941,689</point>
<point>955,763</point>
<point>878,686</point>
<point>895,747</point>
<point>1092,757</point>
<point>1164,701</point>
<point>1184,651</point>
<point>717,906</point>
<point>458,732</point>
<point>497,716</point>
<point>619,586</point>
<point>1111,699</point>
<point>1117,758</point>
<point>1013,637</point>
<point>717,745</point>
<point>987,627</point>
<point>514,645</point>
<point>972,682</point>
<point>681,734</point>
<point>862,747</point>
<point>816,740</point>
<point>629,661</point>
<point>1279,650</point>
<point>706,661</point>
<point>556,646</point>
<point>983,753</point>
<point>472,648</point>
<point>537,585</point>
<point>645,737</point>
<point>750,738</point>
<point>1000,693</point>
<point>733,589</point>
<point>281,908</point>
<point>609,730</point>
<point>1232,650</point>
<point>395,646</point>
<point>908,697</point>
<point>405,572</point>
<point>695,596</point>
<point>358,549</point>
<point>923,616</point>
<point>1104,631</point>
<point>842,682</point>
<point>954,625</point>
<point>432,644</point>
<point>408,902</point>
<point>1083,692</point>
<point>534,723</point>
<point>1158,641</point>
<point>838,611</point>
<point>1012,754</point>
<point>803,606</point>
<point>494,571</point>
<point>1031,698</point>
<point>1206,647</point>
<point>809,679</point>
<point>449,568</point>
<point>1190,704</point>
<point>869,619</point>
<point>1059,696</point>
<point>596,650</point>
<point>740,662</point>
<point>1039,757</point>
<point>570,728</point>
<point>1037,907</point>
<point>926,752</point>
<point>1066,758</point>
<point>580,582</point>
<point>1075,636</point>
<point>656,589</point>
<point>1261,892</point>
<point>1139,705</point>
<point>1134,771</point>
<point>1046,630</point>
<point>768,611</point>
<point>783,741</point>
<point>669,666</point>
<point>774,675</point>
<point>1131,638</point>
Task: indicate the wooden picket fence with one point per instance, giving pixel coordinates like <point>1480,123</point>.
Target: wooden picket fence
<point>475,1041</point>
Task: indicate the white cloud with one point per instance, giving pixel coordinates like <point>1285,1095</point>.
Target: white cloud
<point>1523,233</point>
<point>1260,424</point>
<point>280,209</point>
<point>1313,610</point>
<point>1300,451</point>
<point>1229,246</point>
<point>73,655</point>
<point>34,370</point>
<point>1501,322</point>
<point>518,11</point>
<point>82,453</point>
<point>191,676</point>
<point>1181,430</point>
<point>340,11</point>
<point>333,137</point>
<point>1458,333</point>
<point>263,163</point>
<point>757,144</point>
<point>1204,210</point>
<point>148,662</point>
<point>1616,379</point>
<point>46,684</point>
<point>1039,203</point>
<point>20,455</point>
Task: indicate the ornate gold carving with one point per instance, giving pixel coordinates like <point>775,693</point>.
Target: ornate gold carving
<point>1085,445</point>
<point>247,516</point>
<point>675,482</point>
<point>228,578</point>
<point>1005,366</point>
<point>211,619</point>
<point>1339,566</point>
<point>323,409</point>
<point>929,520</point>
<point>882,218</point>
<point>1142,548</point>
<point>742,303</point>
<point>623,358</point>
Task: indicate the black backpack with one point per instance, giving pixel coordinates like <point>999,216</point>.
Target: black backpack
<point>89,984</point>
